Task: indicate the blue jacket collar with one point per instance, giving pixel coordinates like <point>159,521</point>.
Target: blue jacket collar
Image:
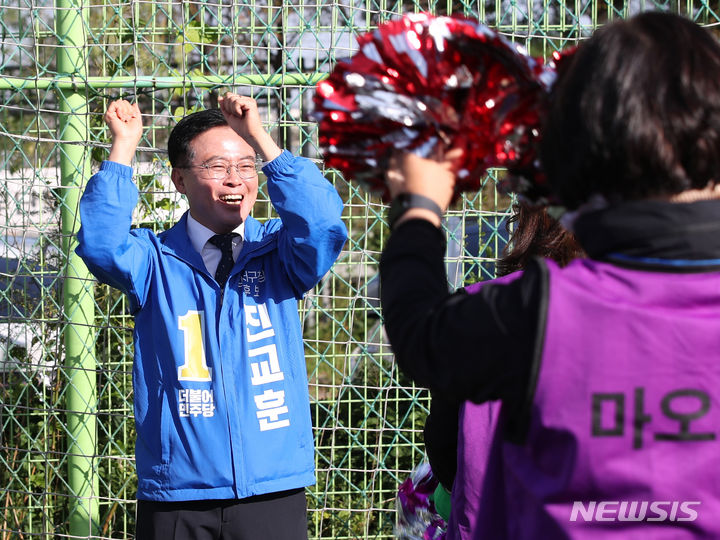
<point>175,241</point>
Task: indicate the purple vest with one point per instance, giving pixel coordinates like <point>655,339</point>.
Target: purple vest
<point>623,427</point>
<point>478,424</point>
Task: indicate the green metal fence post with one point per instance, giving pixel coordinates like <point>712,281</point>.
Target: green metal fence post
<point>79,307</point>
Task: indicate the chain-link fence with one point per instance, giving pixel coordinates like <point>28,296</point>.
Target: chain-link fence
<point>66,449</point>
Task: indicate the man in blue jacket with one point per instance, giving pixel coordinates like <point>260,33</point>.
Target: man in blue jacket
<point>224,444</point>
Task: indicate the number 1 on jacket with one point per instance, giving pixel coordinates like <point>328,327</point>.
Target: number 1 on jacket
<point>195,366</point>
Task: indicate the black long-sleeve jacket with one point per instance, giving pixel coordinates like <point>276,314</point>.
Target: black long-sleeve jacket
<point>479,347</point>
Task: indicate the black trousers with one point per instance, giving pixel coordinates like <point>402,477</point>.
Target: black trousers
<point>275,516</point>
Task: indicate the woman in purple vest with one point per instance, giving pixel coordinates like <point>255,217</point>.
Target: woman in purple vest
<point>535,234</point>
<point>608,370</point>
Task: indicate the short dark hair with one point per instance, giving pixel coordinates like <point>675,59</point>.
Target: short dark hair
<point>635,112</point>
<point>187,129</point>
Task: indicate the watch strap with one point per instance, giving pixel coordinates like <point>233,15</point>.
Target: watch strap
<point>406,201</point>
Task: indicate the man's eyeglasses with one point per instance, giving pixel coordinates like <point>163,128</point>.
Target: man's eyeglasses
<point>246,170</point>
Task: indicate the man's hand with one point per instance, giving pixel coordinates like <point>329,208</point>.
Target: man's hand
<point>126,128</point>
<point>241,113</point>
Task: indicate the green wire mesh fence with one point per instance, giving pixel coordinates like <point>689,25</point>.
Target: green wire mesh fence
<point>66,447</point>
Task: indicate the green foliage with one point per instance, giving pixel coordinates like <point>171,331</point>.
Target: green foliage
<point>181,112</point>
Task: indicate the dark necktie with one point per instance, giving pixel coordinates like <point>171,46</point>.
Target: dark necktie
<point>224,242</point>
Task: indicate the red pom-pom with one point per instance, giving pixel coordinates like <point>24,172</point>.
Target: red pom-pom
<point>425,83</point>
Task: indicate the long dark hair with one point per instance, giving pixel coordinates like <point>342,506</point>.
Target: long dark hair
<point>536,234</point>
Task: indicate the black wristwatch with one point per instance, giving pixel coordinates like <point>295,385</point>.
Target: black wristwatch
<point>405,201</point>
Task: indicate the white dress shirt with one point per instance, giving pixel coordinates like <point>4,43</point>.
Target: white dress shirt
<point>199,235</point>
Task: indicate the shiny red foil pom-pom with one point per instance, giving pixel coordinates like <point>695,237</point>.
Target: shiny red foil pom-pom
<point>425,83</point>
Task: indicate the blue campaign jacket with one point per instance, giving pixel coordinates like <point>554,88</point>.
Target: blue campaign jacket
<point>221,394</point>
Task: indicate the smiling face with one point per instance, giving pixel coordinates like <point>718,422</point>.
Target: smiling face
<point>219,204</point>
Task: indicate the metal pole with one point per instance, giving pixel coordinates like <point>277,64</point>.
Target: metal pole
<point>79,306</point>
<point>97,84</point>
